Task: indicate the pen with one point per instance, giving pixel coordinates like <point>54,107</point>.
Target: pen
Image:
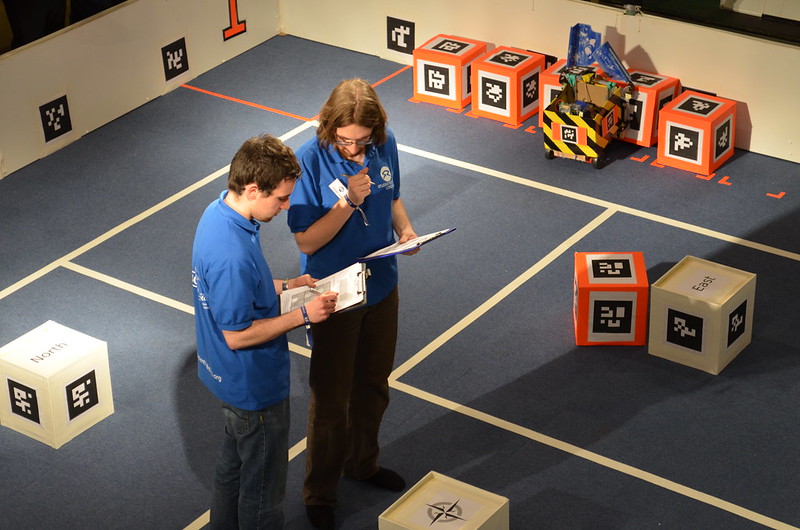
<point>345,175</point>
<point>314,291</point>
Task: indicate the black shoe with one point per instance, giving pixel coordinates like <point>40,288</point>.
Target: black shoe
<point>320,516</point>
<point>386,479</point>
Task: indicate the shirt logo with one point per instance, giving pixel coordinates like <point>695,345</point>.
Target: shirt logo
<point>201,296</point>
<point>386,173</point>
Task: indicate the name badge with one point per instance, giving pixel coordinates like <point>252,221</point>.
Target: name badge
<point>338,188</point>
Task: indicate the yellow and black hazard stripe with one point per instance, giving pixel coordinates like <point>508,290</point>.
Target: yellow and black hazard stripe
<point>576,135</point>
<point>573,134</point>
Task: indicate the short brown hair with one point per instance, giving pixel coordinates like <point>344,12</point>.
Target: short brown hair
<point>352,102</point>
<point>265,161</point>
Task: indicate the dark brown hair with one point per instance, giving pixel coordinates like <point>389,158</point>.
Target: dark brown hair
<point>352,102</point>
<point>265,161</point>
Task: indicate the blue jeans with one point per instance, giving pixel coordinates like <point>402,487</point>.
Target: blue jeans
<point>250,480</point>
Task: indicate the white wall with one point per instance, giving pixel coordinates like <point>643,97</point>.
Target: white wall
<point>762,76</point>
<point>112,63</point>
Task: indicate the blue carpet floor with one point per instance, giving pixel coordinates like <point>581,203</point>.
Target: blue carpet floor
<point>490,387</point>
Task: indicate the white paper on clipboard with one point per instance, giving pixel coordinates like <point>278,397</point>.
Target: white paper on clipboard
<point>400,248</point>
<point>350,283</point>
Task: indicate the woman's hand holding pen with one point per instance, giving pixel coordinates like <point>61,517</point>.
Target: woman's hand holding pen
<point>358,186</point>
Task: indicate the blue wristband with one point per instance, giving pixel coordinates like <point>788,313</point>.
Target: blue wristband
<point>309,339</point>
<point>355,206</point>
<point>349,202</point>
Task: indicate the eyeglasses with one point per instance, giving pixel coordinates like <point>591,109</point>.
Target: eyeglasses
<point>346,142</point>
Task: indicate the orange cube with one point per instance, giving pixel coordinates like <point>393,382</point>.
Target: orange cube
<point>506,84</point>
<point>442,70</point>
<point>653,92</point>
<point>610,299</point>
<point>696,132</point>
<point>550,86</point>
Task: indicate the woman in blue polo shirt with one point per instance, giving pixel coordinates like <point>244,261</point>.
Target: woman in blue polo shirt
<point>346,205</point>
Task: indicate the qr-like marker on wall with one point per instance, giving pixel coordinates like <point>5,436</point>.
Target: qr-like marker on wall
<point>400,35</point>
<point>176,59</point>
<point>56,120</point>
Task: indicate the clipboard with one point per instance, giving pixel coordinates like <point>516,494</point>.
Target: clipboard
<point>350,283</point>
<point>401,248</point>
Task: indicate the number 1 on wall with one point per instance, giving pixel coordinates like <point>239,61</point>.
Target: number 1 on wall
<point>237,26</point>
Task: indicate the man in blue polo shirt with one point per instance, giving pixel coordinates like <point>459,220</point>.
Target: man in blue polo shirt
<point>242,350</point>
<point>346,206</point>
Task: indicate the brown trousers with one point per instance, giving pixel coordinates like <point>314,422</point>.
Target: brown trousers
<point>351,360</point>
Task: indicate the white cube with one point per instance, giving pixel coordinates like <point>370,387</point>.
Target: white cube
<point>56,383</point>
<point>701,314</point>
<point>440,501</point>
